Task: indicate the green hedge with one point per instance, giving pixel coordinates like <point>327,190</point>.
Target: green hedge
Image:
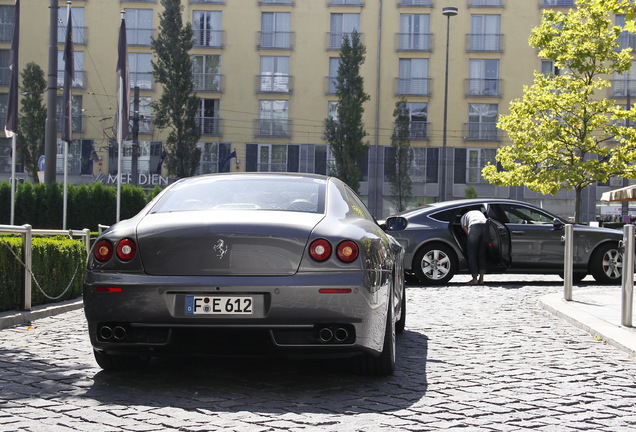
<point>58,265</point>
<point>42,206</point>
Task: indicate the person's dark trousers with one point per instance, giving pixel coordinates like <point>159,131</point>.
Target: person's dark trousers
<point>476,249</point>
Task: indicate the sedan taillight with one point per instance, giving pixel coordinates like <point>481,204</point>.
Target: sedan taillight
<point>320,250</point>
<point>103,250</point>
<point>347,251</point>
<point>126,249</point>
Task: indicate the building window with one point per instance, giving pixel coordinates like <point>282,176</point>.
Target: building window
<point>625,39</point>
<point>414,32</point>
<point>76,113</point>
<point>275,30</point>
<point>6,22</point>
<point>274,77</point>
<point>485,3</point>
<point>206,26</point>
<point>139,26</point>
<point>215,157</point>
<point>77,16</point>
<point>332,110</point>
<point>145,115</point>
<point>485,33</point>
<point>482,122</point>
<point>418,126</point>
<point>424,164</point>
<point>140,70</point>
<point>484,78</point>
<point>342,24</point>
<point>78,64</point>
<point>80,160</point>
<point>5,72</point>
<point>206,73</point>
<point>208,118</point>
<point>558,3</point>
<point>273,120</point>
<point>332,79</point>
<point>624,84</point>
<point>476,161</point>
<point>420,3</point>
<point>413,79</point>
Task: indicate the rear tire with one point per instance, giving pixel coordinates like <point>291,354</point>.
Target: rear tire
<point>435,264</point>
<point>384,364</point>
<point>606,264</point>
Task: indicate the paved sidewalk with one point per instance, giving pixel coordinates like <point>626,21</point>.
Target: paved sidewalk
<point>12,318</point>
<point>596,310</point>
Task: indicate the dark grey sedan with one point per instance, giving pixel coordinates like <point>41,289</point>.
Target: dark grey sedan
<point>239,264</point>
<point>523,239</point>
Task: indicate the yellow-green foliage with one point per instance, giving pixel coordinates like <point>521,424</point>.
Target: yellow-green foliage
<point>59,266</point>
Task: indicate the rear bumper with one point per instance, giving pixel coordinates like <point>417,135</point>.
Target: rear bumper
<point>146,315</point>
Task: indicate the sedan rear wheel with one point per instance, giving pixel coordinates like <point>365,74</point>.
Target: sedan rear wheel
<point>606,264</point>
<point>435,264</point>
<point>384,364</point>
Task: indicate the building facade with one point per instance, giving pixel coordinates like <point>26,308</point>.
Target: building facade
<point>264,71</point>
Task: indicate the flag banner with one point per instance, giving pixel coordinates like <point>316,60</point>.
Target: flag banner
<point>11,125</point>
<point>69,73</point>
<point>123,95</point>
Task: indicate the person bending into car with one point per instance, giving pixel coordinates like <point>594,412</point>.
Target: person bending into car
<point>474,224</point>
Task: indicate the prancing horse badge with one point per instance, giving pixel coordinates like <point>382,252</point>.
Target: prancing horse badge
<point>220,248</point>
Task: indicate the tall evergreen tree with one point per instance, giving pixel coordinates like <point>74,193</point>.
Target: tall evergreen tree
<point>32,120</point>
<point>402,156</point>
<point>178,106</point>
<point>346,133</point>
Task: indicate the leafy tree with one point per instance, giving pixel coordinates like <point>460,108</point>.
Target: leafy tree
<point>564,134</point>
<point>33,119</point>
<point>346,133</point>
<point>402,156</point>
<point>178,106</point>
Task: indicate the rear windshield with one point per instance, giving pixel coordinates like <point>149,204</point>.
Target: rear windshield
<point>245,193</point>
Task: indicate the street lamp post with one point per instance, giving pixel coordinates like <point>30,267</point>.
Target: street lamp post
<point>448,12</point>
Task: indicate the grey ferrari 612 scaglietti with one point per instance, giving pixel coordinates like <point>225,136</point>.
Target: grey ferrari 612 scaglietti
<point>251,263</point>
<point>523,239</point>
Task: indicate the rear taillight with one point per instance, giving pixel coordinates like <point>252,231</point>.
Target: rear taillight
<point>126,249</point>
<point>103,250</point>
<point>347,251</point>
<point>320,250</point>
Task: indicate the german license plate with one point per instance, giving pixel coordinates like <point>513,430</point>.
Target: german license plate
<point>219,305</point>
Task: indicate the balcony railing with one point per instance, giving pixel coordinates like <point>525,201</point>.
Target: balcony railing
<point>485,3</point>
<point>273,83</point>
<point>419,130</point>
<point>272,128</point>
<point>208,38</point>
<point>79,35</point>
<point>139,36</point>
<point>275,2</point>
<point>275,39</point>
<point>421,3</point>
<point>413,86</point>
<point>622,87</point>
<point>208,82</point>
<point>334,39</point>
<point>414,41</point>
<point>143,80</point>
<point>346,3</point>
<point>485,42</point>
<point>481,131</point>
<point>558,3</point>
<point>210,126</point>
<point>79,79</point>
<point>6,32</point>
<point>483,87</point>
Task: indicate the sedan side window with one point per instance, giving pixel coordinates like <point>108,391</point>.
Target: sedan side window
<point>525,215</point>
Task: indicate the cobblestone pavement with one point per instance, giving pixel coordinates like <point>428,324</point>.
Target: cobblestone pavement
<point>471,359</point>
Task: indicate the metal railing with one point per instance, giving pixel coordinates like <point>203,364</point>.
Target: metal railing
<point>27,234</point>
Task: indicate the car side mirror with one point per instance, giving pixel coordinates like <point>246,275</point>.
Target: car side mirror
<point>395,223</point>
<point>557,224</point>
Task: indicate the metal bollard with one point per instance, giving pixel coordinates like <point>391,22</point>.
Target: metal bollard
<point>628,275</point>
<point>568,261</point>
<point>27,242</point>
